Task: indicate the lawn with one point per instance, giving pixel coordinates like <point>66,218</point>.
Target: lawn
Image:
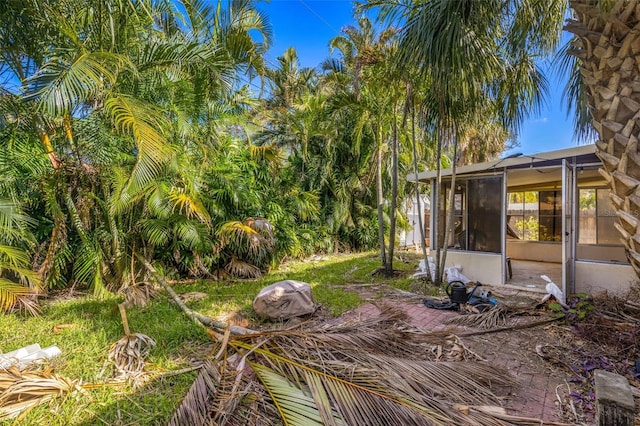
<point>84,329</point>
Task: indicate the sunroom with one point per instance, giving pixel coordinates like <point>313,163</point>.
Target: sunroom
<point>518,218</point>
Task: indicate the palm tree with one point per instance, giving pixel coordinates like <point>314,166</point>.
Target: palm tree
<point>114,110</point>
<point>17,281</point>
<point>366,55</point>
<point>604,47</point>
<point>473,54</point>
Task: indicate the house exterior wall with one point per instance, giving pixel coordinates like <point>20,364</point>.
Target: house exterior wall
<point>596,277</point>
<point>479,267</point>
<point>552,252</point>
<point>534,250</point>
<point>603,253</point>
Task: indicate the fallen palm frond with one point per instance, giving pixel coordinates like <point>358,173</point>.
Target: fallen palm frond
<point>193,409</point>
<point>20,391</point>
<point>497,316</point>
<point>375,372</point>
<point>129,353</point>
<point>456,350</point>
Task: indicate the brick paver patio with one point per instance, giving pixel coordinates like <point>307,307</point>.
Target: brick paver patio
<point>535,396</point>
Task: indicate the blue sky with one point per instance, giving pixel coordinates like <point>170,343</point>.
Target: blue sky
<point>308,25</point>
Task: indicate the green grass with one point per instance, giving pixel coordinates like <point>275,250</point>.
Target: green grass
<point>95,325</point>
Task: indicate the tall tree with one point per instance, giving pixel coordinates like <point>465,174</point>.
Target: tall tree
<point>605,46</point>
<point>474,54</point>
<point>366,55</point>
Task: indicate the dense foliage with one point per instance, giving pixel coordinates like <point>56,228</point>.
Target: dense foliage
<point>133,130</point>
<point>155,130</point>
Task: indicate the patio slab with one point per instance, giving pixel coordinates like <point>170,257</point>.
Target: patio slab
<point>514,351</point>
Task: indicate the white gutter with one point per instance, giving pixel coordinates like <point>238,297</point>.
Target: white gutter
<point>508,162</point>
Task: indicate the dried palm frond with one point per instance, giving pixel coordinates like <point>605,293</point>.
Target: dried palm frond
<point>456,350</point>
<point>130,352</point>
<point>23,390</point>
<point>139,294</point>
<point>28,304</point>
<point>374,372</point>
<point>193,410</point>
<point>240,268</point>
<point>358,387</point>
<point>497,316</point>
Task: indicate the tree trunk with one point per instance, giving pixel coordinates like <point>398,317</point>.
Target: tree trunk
<point>437,189</point>
<point>43,135</point>
<point>383,255</point>
<point>423,243</point>
<point>608,44</point>
<point>196,317</point>
<point>410,107</point>
<point>449,225</point>
<point>394,196</point>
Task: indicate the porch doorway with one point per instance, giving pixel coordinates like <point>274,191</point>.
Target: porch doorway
<point>526,275</point>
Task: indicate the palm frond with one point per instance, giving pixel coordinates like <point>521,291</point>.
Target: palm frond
<point>193,409</point>
<point>497,316</point>
<point>21,391</point>
<point>10,294</point>
<point>239,268</point>
<point>145,124</point>
<point>60,84</point>
<point>189,205</point>
<point>372,372</point>
<point>300,407</point>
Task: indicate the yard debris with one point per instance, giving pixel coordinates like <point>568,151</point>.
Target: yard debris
<point>21,391</point>
<point>139,294</point>
<point>284,300</point>
<point>422,271</point>
<point>195,316</point>
<point>553,291</point>
<point>193,296</point>
<point>456,350</point>
<point>343,374</point>
<point>604,334</point>
<point>57,329</point>
<point>130,352</point>
<point>498,316</point>
<point>28,356</point>
<point>454,274</point>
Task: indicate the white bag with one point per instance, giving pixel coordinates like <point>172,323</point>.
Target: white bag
<point>453,274</point>
<point>553,290</point>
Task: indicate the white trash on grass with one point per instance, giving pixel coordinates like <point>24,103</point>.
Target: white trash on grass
<point>28,355</point>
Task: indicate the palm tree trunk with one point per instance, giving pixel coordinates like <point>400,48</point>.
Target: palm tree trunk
<point>607,47</point>
<point>437,190</point>
<point>196,317</point>
<point>394,195</point>
<point>449,226</point>
<point>383,255</point>
<point>48,147</point>
<point>423,244</point>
